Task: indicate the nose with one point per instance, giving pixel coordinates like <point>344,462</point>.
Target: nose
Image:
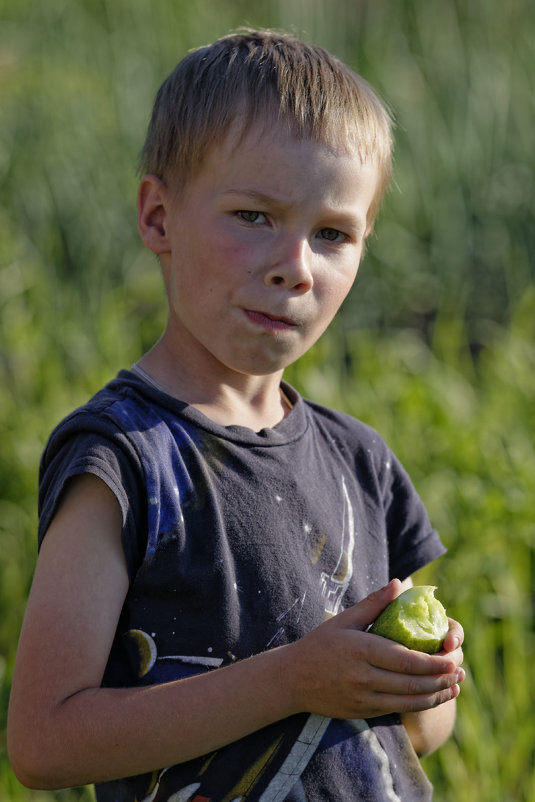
<point>291,265</point>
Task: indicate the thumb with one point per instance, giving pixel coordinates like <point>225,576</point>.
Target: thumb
<point>366,611</point>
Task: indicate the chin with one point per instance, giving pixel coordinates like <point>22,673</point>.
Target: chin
<point>261,366</point>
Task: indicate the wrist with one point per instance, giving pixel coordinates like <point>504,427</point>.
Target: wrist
<point>285,670</point>
<point>294,689</point>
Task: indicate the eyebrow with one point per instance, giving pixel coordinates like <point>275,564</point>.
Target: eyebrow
<point>257,196</point>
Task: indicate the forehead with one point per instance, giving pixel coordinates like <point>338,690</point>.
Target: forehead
<point>272,149</point>
<point>268,143</point>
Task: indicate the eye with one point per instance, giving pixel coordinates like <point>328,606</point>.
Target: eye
<point>332,235</point>
<point>251,217</point>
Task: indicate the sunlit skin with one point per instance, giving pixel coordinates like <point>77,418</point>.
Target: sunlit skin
<point>257,254</point>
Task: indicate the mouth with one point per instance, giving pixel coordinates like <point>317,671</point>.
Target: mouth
<point>270,322</point>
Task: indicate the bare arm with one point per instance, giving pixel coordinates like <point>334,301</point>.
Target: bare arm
<point>64,729</point>
<point>428,729</point>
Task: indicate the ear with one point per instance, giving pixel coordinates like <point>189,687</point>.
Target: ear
<point>152,211</point>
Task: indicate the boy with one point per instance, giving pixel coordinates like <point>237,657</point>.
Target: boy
<point>212,546</point>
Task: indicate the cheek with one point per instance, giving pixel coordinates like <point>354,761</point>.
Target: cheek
<point>235,257</point>
<point>338,286</point>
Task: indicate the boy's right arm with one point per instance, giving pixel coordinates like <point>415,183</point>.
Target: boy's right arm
<point>65,730</point>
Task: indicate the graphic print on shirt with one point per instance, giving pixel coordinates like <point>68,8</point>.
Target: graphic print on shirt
<point>144,654</point>
<point>334,585</point>
<point>294,756</point>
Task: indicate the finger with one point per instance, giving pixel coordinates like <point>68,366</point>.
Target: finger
<point>457,656</point>
<point>387,654</point>
<point>361,615</point>
<point>390,682</point>
<point>418,702</point>
<point>455,637</point>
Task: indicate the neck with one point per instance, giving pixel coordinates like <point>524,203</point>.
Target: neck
<point>230,408</point>
<point>256,402</point>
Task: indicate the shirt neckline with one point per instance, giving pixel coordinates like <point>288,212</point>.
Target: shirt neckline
<point>290,428</point>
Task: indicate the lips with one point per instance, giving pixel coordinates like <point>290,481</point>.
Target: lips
<point>269,321</point>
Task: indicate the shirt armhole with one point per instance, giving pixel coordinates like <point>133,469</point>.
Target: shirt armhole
<point>116,473</point>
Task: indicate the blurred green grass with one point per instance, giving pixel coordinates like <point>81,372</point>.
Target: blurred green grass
<point>435,347</point>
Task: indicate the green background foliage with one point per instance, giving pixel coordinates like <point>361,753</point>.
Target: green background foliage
<point>434,347</point>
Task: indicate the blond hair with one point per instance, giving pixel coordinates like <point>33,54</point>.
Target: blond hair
<point>255,76</point>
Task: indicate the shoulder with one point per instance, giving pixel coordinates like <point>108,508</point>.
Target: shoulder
<point>104,405</point>
<point>348,433</point>
<point>362,448</point>
<point>338,420</point>
<point>110,415</point>
<point>92,434</point>
<point>94,439</point>
<point>99,437</point>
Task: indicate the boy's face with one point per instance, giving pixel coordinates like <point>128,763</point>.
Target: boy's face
<point>261,248</point>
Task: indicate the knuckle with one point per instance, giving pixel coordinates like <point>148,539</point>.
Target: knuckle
<point>443,696</point>
<point>405,664</point>
<point>414,686</point>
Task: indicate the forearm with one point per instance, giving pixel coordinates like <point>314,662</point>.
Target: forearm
<point>100,734</point>
<point>428,729</point>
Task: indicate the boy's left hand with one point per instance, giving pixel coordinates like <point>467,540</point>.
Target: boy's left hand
<point>455,637</point>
